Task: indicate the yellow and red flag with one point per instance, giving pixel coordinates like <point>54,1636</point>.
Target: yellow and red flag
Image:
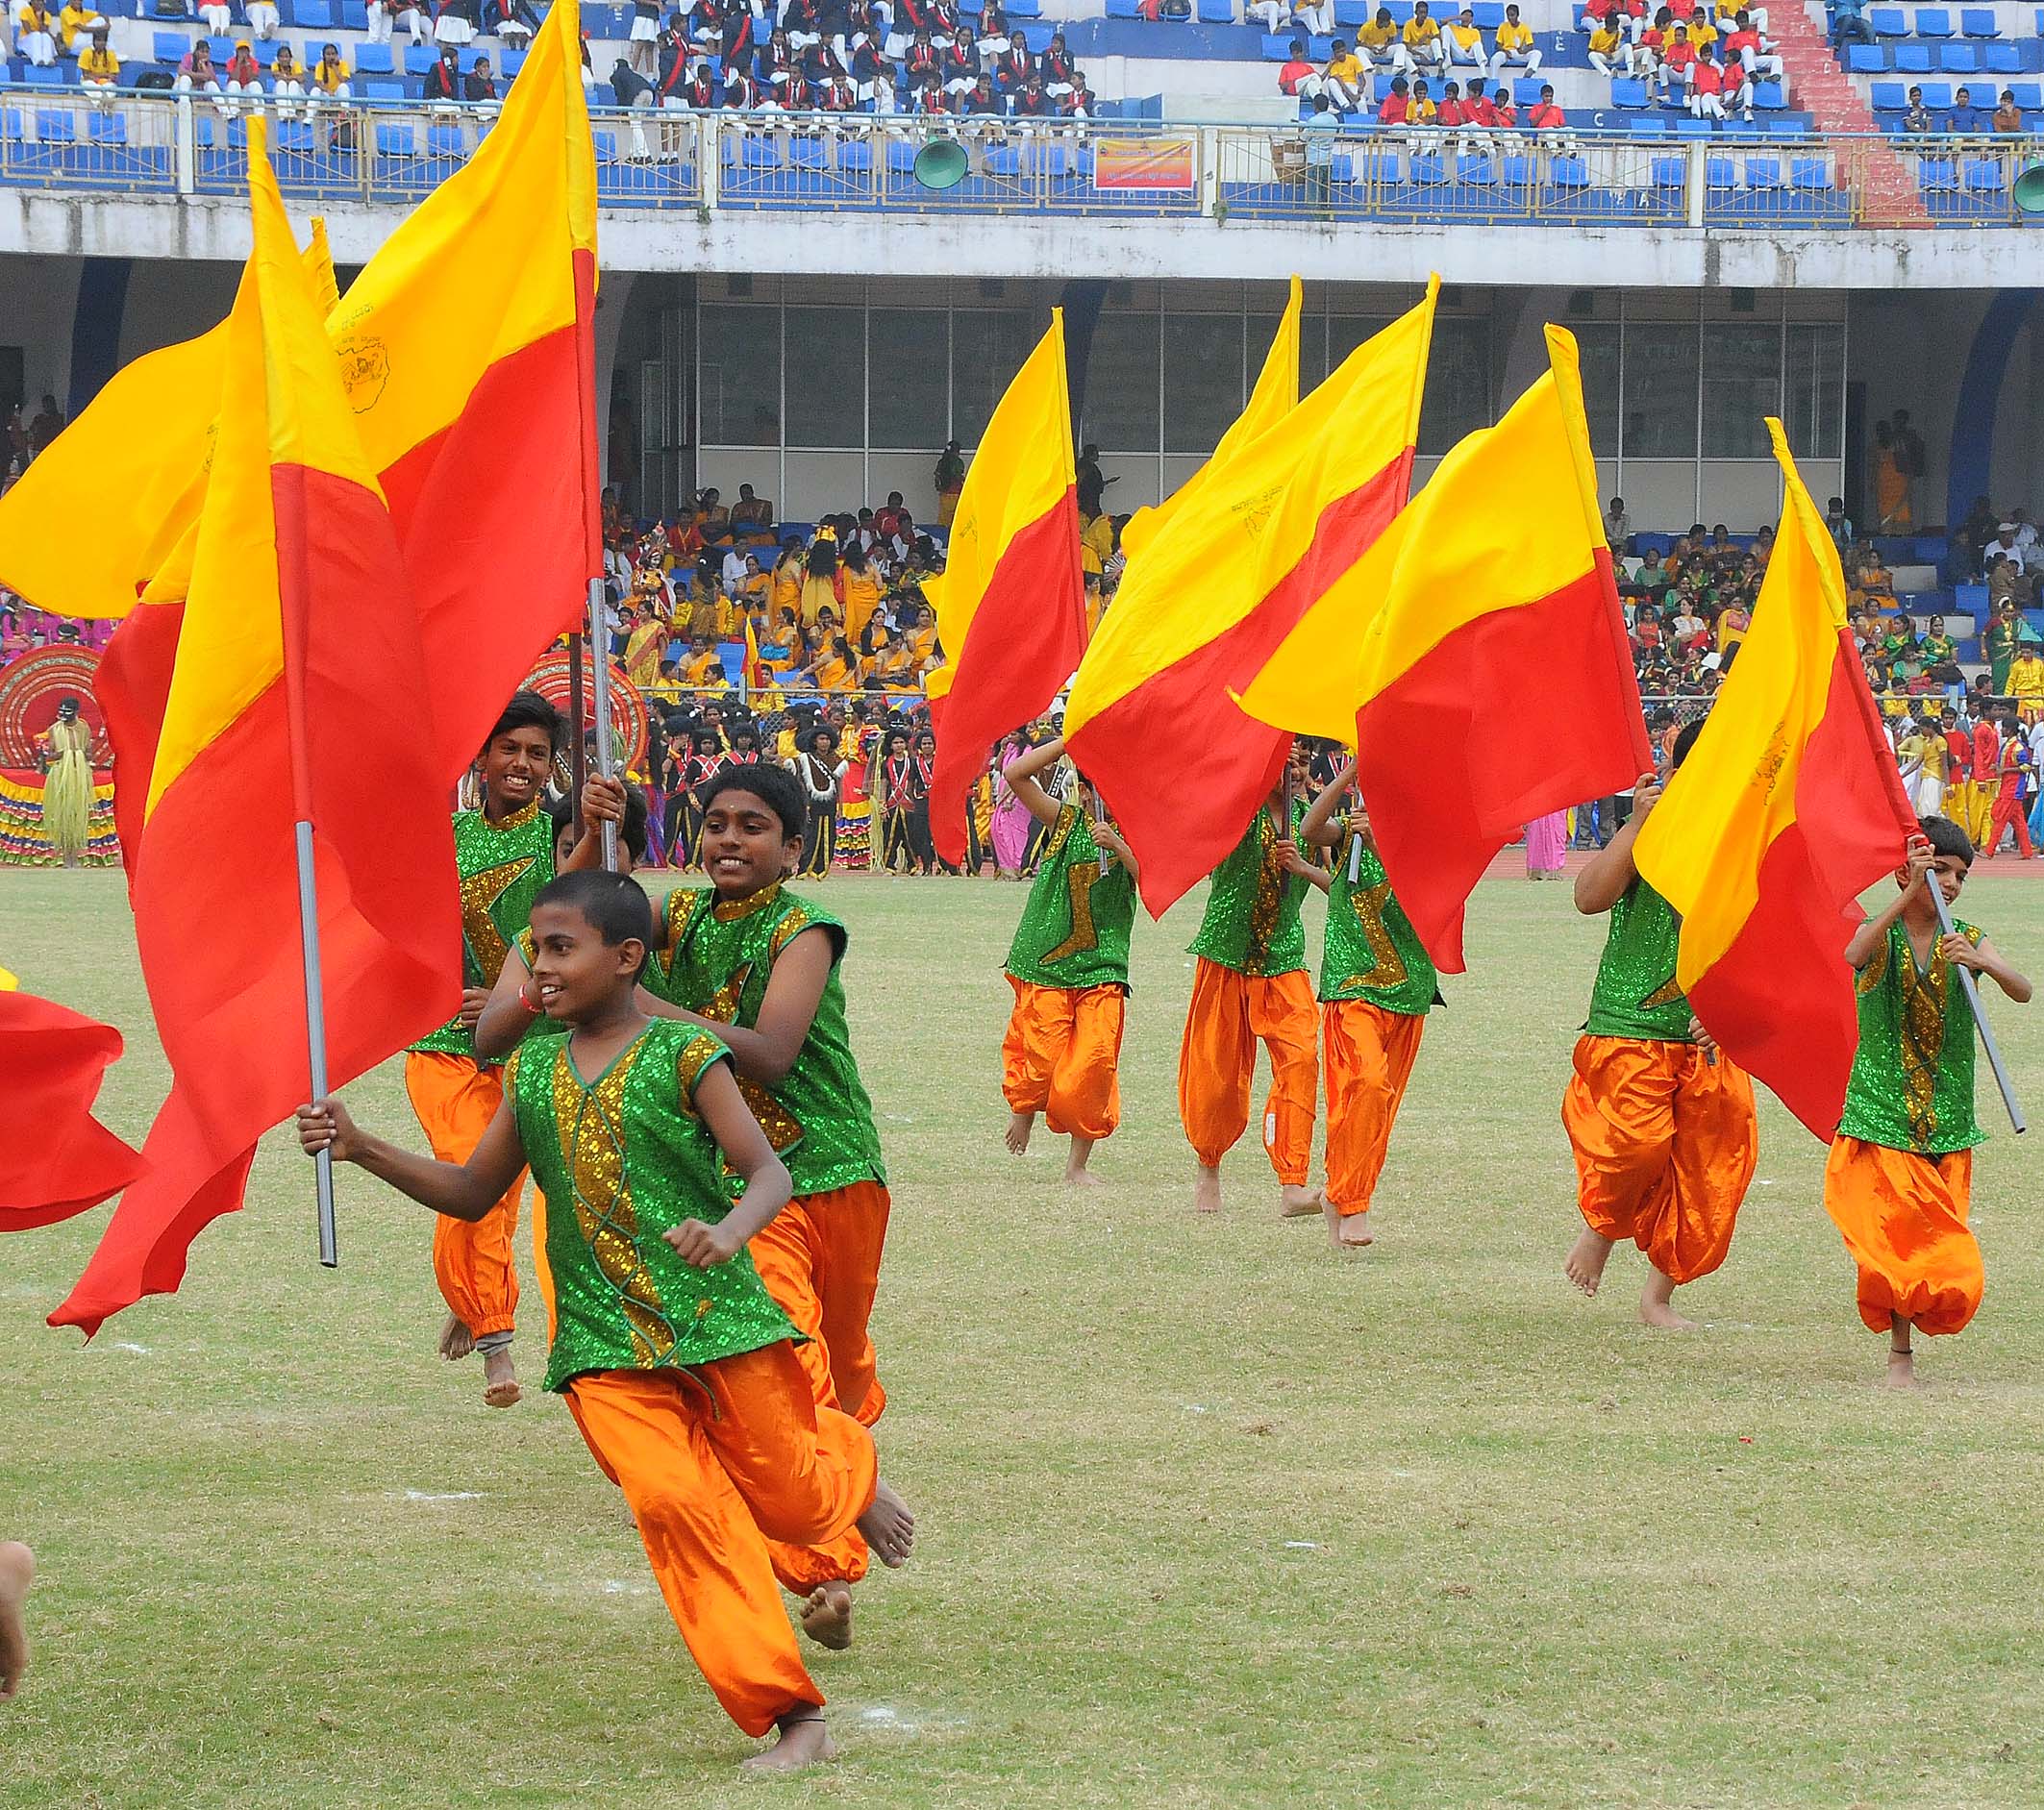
<point>1275,396</point>
<point>1010,607</point>
<point>297,695</point>
<point>1787,808</point>
<point>1151,719</point>
<point>1478,659</point>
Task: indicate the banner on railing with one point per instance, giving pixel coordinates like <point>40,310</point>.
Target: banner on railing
<point>1146,165</point>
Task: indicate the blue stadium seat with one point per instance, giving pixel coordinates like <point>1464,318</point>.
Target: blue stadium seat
<point>314,15</point>
<point>1811,173</point>
<point>1277,49</point>
<point>1985,176</point>
<point>1668,172</point>
<point>395,140</point>
<point>1890,97</point>
<point>1628,92</point>
<point>1695,128</point>
<point>354,16</point>
<point>1912,59</point>
<point>1933,22</point>
<point>1569,172</point>
<point>1888,21</point>
<point>1720,172</point>
<point>1525,90</point>
<point>374,60</point>
<point>54,128</point>
<point>2029,95</point>
<point>1763,172</point>
<point>1938,175</point>
<point>1516,171</point>
<point>106,129</point>
<point>1319,49</point>
<point>1025,10</point>
<point>444,141</point>
<point>375,89</point>
<point>1427,168</point>
<point>170,47</point>
<point>1937,96</point>
<point>38,78</point>
<point>1771,96</point>
<point>419,59</point>
<point>1350,13</point>
<point>1122,10</point>
<point>292,136</point>
<point>854,154</point>
<point>2002,59</point>
<point>1489,14</point>
<point>806,153</point>
<point>1217,12</point>
<point>1959,60</point>
<point>1865,59</point>
<point>1003,160</point>
<point>1978,22</point>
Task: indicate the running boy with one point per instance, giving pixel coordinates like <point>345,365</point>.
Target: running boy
<point>1899,1184</point>
<point>1375,987</point>
<point>1663,1126</point>
<point>504,854</point>
<point>680,1371</point>
<point>1069,968</point>
<point>1250,983</point>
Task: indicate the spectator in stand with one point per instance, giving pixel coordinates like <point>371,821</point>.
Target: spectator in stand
<point>1754,52</point>
<point>982,101</point>
<point>1462,43</point>
<point>1917,119</point>
<point>958,67</point>
<point>218,18</point>
<point>196,74</point>
<point>1655,43</point>
<point>1316,15</point>
<point>287,78</point>
<point>99,68</point>
<point>1618,528</point>
<point>1678,65</point>
<point>1503,112</point>
<point>642,42</point>
<point>1449,116</point>
<point>245,74</point>
<point>1544,115</point>
<point>1396,105</point>
<point>1420,109</point>
<point>412,16</point>
<point>751,517</point>
<point>444,81</point>
<point>1422,43</point>
<point>261,19</point>
<point>1849,24</point>
<point>1965,120</point>
<point>1033,103</point>
<point>479,86</point>
<point>75,25</point>
<point>514,21</point>
<point>36,34</point>
<point>923,63</point>
<point>1706,86</point>
<point>1514,47</point>
<point>1298,77</point>
<point>1610,52</point>
<point>2007,117</point>
<point>330,75</point>
<point>1377,44</point>
<point>1342,82</point>
<point>1736,87</point>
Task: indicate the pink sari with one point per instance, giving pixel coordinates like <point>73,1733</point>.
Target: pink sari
<point>1546,843</point>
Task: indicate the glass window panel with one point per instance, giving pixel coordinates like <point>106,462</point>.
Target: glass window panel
<point>1742,386</point>
<point>826,377</point>
<point>1813,410</point>
<point>738,398</point>
<point>1457,395</point>
<point>1120,412</point>
<point>908,383</point>
<point>1203,380</point>
<point>1312,351</point>
<point>1346,331</point>
<point>987,347</point>
<point>1660,399</point>
<point>1597,346</point>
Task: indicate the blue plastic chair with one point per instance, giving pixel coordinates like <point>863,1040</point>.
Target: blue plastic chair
<point>1888,21</point>
<point>1912,59</point>
<point>1959,60</point>
<point>1889,97</point>
<point>1865,58</point>
<point>1933,22</point>
<point>1978,22</point>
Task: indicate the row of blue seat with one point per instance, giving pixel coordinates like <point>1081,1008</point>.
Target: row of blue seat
<point>1893,97</point>
<point>172,47</point>
<point>2004,59</point>
<point>1936,22</point>
<point>1631,91</point>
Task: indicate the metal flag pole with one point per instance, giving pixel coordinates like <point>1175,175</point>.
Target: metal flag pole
<point>600,699</point>
<point>1356,857</point>
<point>316,1031</point>
<point>578,763</point>
<point>1971,988</point>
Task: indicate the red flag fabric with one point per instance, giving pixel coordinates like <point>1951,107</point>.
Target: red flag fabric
<point>56,1158</point>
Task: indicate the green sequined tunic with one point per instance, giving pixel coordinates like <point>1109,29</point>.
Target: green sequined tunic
<point>1912,1084</point>
<point>1080,909</point>
<point>1253,923</point>
<point>718,960</point>
<point>622,1160</point>
<point>1635,994</point>
<point>1372,951</point>
<point>502,866</point>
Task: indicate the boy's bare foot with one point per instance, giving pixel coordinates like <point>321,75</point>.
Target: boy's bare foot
<point>1207,1191</point>
<point>1296,1200</point>
<point>1902,1371</point>
<point>499,1378</point>
<point>456,1339</point>
<point>826,1615</point>
<point>804,1741</point>
<point>1019,1125</point>
<point>890,1528</point>
<point>1654,1308</point>
<point>1345,1231</point>
<point>18,1571</point>
<point>1587,1258</point>
<point>1076,1172</point>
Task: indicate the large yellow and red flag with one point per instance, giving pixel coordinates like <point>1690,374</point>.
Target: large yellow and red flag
<point>1789,806</point>
<point>1477,657</point>
<point>1010,607</point>
<point>297,696</point>
<point>1151,719</point>
<point>1275,396</point>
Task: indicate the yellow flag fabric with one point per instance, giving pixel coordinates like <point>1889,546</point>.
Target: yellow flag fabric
<point>319,268</point>
<point>1275,396</point>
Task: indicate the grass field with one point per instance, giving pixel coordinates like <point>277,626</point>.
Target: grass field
<point>1209,1516</point>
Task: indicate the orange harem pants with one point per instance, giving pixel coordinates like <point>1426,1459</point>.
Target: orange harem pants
<point>472,1261</point>
<point>1217,1064</point>
<point>1369,1059</point>
<point>1904,1218</point>
<point>714,1461</point>
<point>819,1257</point>
<point>1665,1144</point>
<point>1061,1056</point>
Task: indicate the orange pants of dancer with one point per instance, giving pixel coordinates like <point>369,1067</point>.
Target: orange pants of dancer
<point>819,1257</point>
<point>713,1461</point>
<point>2009,810</point>
<point>1369,1054</point>
<point>1665,1144</point>
<point>1061,1056</point>
<point>1904,1218</point>
<point>1231,1012</point>
<point>472,1261</point>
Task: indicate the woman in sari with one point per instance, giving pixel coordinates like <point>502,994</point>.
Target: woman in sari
<point>859,590</point>
<point>819,579</point>
<point>67,783</point>
<point>1892,488</point>
<point>647,645</point>
<point>855,797</point>
<point>1546,837</point>
<point>1011,819</point>
<point>895,769</point>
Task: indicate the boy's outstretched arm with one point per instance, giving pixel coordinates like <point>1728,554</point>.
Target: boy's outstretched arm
<point>748,1153</point>
<point>1607,873</point>
<point>1021,772</point>
<point>459,1190</point>
<point>1325,823</point>
<point>765,1052</point>
<point>1984,958</point>
<point>1869,937</point>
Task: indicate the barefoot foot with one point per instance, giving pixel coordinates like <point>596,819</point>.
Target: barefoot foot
<point>1345,1231</point>
<point>17,1570</point>
<point>1076,1172</point>
<point>1207,1191</point>
<point>826,1615</point>
<point>890,1528</point>
<point>1297,1201</point>
<point>1902,1371</point>
<point>499,1378</point>
<point>804,1741</point>
<point>1587,1258</point>
<point>456,1339</point>
<point>1019,1125</point>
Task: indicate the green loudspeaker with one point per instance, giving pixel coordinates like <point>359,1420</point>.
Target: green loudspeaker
<point>941,163</point>
<point>2029,189</point>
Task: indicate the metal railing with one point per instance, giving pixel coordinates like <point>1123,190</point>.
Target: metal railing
<point>669,160</point>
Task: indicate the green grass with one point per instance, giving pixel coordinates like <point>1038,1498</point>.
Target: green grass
<point>1207,1516</point>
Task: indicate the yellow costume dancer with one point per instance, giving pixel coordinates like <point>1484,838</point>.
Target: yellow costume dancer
<point>67,783</point>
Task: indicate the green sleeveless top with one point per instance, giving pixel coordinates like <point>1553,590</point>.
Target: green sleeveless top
<point>622,1160</point>
<point>1253,923</point>
<point>1912,1084</point>
<point>502,866</point>
<point>718,962</point>
<point>1372,951</point>
<point>1081,908</point>
<point>1635,995</point>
